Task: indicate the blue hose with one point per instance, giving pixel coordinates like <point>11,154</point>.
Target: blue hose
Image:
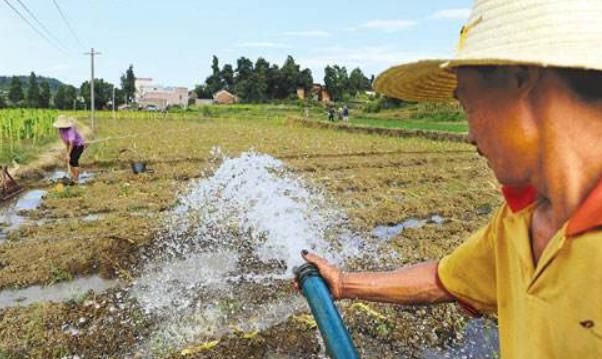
<point>337,338</point>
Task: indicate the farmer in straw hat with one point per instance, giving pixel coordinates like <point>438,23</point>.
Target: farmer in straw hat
<point>74,142</point>
<point>529,76</point>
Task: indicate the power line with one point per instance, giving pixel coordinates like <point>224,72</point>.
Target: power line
<point>40,23</point>
<point>33,27</point>
<point>58,8</point>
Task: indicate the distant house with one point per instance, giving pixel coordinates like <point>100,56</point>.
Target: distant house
<point>224,97</point>
<point>318,93</point>
<point>148,94</point>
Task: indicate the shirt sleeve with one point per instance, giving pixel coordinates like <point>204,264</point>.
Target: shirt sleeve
<point>468,273</point>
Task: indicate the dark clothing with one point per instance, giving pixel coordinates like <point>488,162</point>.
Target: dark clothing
<point>74,156</point>
<point>331,114</point>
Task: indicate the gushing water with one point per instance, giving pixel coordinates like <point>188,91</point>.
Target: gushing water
<point>228,250</point>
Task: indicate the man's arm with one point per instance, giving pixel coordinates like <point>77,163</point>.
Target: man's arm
<point>416,284</point>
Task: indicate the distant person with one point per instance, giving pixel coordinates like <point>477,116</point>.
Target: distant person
<point>340,113</point>
<point>345,113</point>
<point>74,142</point>
<point>330,113</point>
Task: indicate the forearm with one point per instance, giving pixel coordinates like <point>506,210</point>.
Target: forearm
<point>415,284</point>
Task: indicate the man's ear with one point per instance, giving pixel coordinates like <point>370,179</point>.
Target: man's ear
<point>525,78</point>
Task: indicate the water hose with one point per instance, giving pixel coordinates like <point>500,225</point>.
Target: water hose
<point>333,330</point>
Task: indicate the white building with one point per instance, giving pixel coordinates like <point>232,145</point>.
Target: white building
<point>149,94</point>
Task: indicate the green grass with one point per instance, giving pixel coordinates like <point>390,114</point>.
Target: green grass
<point>411,124</point>
<point>411,117</point>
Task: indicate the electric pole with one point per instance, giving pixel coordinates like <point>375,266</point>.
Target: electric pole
<point>92,53</point>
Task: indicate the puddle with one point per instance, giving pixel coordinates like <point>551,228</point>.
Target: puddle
<point>12,216</point>
<point>480,340</point>
<point>92,218</point>
<point>389,231</point>
<point>437,219</point>
<point>54,293</point>
<point>58,175</point>
<point>30,200</point>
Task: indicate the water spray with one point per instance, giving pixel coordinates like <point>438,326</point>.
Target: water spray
<point>333,330</point>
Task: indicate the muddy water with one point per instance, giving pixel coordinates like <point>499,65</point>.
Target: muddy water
<point>389,231</point>
<point>54,293</point>
<point>13,215</point>
<point>58,175</point>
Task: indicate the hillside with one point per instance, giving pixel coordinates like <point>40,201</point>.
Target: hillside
<point>5,82</point>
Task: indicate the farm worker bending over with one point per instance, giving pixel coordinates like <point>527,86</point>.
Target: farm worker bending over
<point>74,142</point>
<point>529,76</point>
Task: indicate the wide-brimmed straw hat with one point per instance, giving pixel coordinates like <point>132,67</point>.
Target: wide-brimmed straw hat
<point>547,33</point>
<point>63,122</point>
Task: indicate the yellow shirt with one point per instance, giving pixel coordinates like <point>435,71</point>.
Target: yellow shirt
<point>551,310</point>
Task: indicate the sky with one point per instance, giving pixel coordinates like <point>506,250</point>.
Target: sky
<point>173,41</point>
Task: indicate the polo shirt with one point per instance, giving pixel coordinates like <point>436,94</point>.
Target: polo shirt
<point>549,310</point>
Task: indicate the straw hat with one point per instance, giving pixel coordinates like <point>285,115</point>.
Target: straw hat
<point>63,122</point>
<point>557,33</point>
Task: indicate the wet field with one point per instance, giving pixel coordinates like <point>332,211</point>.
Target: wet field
<point>195,257</point>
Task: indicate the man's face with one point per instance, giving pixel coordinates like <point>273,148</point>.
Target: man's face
<point>499,122</point>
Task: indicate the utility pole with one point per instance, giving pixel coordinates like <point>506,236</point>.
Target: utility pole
<point>92,53</point>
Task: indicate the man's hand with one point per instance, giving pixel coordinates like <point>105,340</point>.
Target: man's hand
<point>331,274</point>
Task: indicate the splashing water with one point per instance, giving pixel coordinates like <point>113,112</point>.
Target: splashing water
<point>225,258</point>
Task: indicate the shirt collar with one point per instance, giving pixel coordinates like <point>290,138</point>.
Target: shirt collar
<point>587,217</point>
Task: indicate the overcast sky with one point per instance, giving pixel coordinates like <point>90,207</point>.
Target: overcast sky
<point>173,41</point>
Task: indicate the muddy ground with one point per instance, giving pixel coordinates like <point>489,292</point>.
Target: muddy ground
<point>375,179</point>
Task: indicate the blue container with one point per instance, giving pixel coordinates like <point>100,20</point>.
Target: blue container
<point>337,338</point>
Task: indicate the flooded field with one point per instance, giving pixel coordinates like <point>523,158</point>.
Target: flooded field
<point>195,258</point>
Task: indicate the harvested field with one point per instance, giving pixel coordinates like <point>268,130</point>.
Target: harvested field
<point>107,226</point>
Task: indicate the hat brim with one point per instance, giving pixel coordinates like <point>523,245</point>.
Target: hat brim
<point>427,80</point>
<point>62,124</point>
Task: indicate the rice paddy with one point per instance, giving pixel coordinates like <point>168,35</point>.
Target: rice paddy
<point>107,226</point>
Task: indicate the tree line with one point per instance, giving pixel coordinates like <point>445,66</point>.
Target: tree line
<point>261,81</point>
<point>37,94</point>
<point>257,81</point>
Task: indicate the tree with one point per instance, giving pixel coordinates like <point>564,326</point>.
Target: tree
<point>203,92</point>
<point>2,101</point>
<point>227,77</point>
<point>128,85</point>
<point>15,94</point>
<point>336,81</point>
<point>252,89</point>
<point>103,93</point>
<point>290,76</point>
<point>244,80</point>
<point>33,92</point>
<point>306,80</point>
<point>244,69</point>
<point>45,95</point>
<point>358,82</point>
<point>65,97</point>
<point>214,82</point>
<point>274,83</point>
